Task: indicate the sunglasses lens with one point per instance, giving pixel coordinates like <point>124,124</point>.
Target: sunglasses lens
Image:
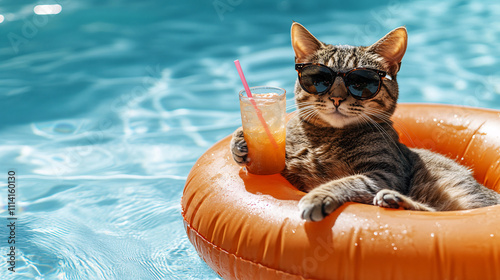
<point>316,79</point>
<point>363,84</point>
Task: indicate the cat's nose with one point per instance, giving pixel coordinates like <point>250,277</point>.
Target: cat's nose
<point>337,101</point>
<point>338,92</point>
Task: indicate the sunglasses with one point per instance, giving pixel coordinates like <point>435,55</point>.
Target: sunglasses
<point>361,83</point>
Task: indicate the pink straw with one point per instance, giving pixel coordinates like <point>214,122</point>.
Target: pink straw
<point>257,110</point>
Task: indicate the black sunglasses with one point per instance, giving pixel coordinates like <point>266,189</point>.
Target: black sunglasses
<point>361,83</point>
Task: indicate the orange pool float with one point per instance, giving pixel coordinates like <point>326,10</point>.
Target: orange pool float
<point>248,226</point>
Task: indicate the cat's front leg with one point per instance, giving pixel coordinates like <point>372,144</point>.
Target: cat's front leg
<point>393,199</point>
<point>239,148</point>
<point>326,198</point>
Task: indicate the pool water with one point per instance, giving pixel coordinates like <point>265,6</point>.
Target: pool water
<point>106,105</point>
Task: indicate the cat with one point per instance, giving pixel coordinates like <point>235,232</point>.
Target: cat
<point>341,145</point>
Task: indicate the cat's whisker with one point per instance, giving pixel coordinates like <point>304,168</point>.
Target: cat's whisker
<point>299,116</point>
<point>362,120</point>
<point>385,117</point>
<point>295,107</point>
<point>316,116</point>
<point>308,110</point>
<point>383,132</point>
<point>305,110</point>
<point>372,122</point>
<point>305,103</point>
<point>310,115</point>
<point>368,121</point>
<point>292,107</point>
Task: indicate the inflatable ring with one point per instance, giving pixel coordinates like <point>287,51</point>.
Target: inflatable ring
<point>248,226</point>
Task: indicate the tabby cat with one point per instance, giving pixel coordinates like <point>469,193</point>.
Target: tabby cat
<point>342,146</point>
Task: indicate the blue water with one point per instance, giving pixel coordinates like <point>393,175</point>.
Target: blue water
<point>105,107</point>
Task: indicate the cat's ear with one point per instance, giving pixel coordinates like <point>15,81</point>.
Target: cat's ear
<point>392,48</point>
<point>303,42</point>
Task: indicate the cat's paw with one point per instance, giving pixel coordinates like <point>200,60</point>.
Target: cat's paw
<point>239,147</point>
<point>316,205</point>
<point>388,199</point>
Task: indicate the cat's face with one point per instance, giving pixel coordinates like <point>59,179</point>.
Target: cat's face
<point>337,107</point>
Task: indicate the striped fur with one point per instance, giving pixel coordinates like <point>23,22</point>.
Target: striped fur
<point>352,153</point>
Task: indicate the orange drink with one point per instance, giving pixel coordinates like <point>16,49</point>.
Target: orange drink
<point>266,156</point>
